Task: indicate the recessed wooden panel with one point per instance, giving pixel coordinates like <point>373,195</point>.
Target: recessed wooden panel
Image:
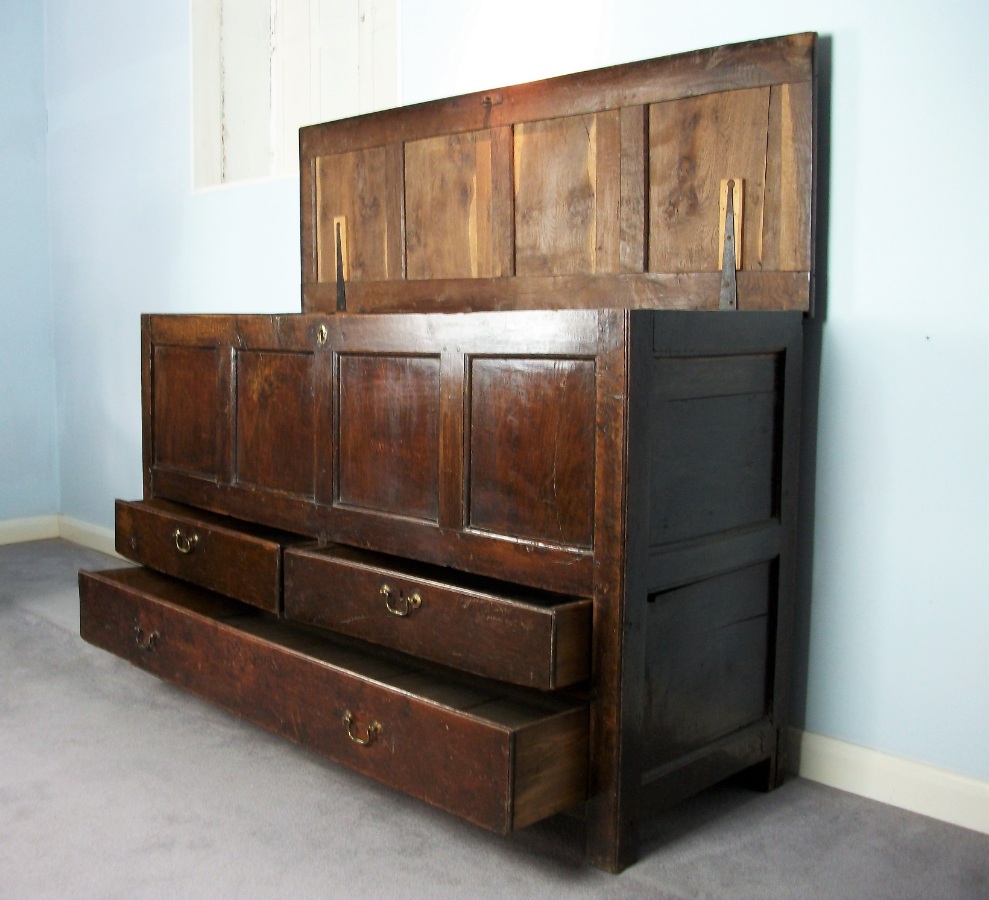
<point>458,207</point>
<point>275,416</point>
<point>364,188</point>
<point>187,404</point>
<point>706,670</point>
<point>693,145</point>
<point>532,448</point>
<point>713,453</point>
<point>389,434</point>
<point>567,195</point>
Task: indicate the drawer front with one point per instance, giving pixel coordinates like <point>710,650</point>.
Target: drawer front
<point>523,637</point>
<point>498,763</point>
<point>236,559</point>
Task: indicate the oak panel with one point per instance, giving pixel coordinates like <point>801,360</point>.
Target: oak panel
<point>364,187</point>
<point>786,242</point>
<point>567,189</point>
<point>389,415</point>
<point>693,145</point>
<point>455,216</point>
<point>714,442</point>
<point>275,421</point>
<point>532,448</point>
<point>706,661</point>
<point>187,408</point>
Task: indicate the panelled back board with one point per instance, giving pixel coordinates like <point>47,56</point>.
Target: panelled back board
<point>600,189</point>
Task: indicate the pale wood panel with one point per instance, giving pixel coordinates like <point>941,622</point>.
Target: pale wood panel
<point>365,188</point>
<point>786,232</point>
<point>607,208</point>
<point>567,190</point>
<point>634,185</point>
<point>455,217</point>
<point>694,144</point>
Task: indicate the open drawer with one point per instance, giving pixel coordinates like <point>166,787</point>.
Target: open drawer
<point>235,558</point>
<point>491,628</point>
<point>501,760</point>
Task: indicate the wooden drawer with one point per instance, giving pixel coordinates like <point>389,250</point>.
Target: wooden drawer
<point>501,761</point>
<point>235,558</point>
<point>490,628</point>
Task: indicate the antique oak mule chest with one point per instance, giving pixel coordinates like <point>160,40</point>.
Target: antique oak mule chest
<point>505,518</point>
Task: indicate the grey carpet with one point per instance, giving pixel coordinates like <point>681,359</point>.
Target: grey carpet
<point>113,784</point>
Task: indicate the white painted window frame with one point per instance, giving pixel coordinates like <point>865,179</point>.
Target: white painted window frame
<point>263,68</point>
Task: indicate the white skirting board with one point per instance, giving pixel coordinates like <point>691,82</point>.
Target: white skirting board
<point>40,528</point>
<point>915,786</point>
<point>92,536</point>
<point>36,528</point>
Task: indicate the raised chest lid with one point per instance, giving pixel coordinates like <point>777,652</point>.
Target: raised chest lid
<point>632,186</point>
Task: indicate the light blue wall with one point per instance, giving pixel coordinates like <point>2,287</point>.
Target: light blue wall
<point>897,633</point>
<point>28,458</point>
<point>127,234</point>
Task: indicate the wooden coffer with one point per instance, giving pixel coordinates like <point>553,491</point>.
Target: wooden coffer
<point>506,517</point>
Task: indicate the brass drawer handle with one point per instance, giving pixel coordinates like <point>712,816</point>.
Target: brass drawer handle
<point>404,606</point>
<point>145,640</point>
<point>373,730</point>
<point>183,543</point>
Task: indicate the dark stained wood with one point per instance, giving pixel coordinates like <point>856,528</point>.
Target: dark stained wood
<point>619,509</point>
<point>789,474</point>
<point>301,686</point>
<point>275,421</point>
<point>664,786</point>
<point>714,447</point>
<point>147,408</point>
<point>485,627</point>
<point>390,447</point>
<point>187,415</point>
<point>689,290</point>
<point>706,661</point>
<point>532,448</point>
<point>721,389</point>
<point>388,424</point>
<point>226,555</point>
<point>542,785</point>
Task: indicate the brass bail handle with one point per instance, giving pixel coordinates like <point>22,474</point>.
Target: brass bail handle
<point>404,606</point>
<point>185,543</point>
<point>370,734</point>
<point>146,640</point>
